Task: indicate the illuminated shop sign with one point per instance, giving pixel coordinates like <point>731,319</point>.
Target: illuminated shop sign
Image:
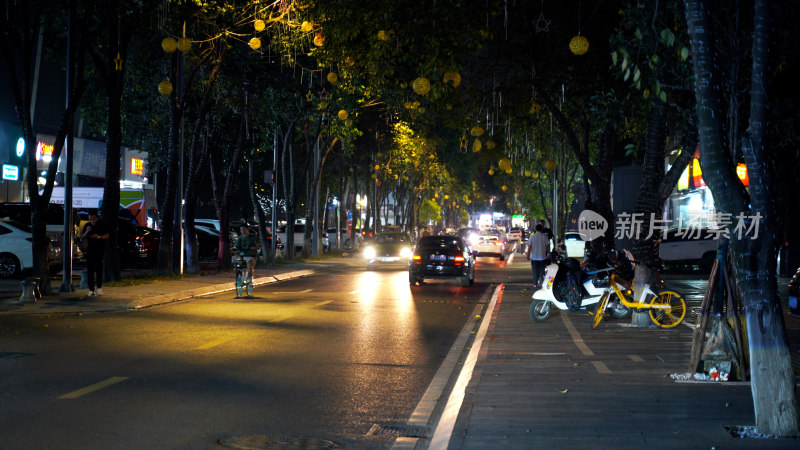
<point>20,147</point>
<point>137,166</point>
<point>10,172</point>
<point>44,152</point>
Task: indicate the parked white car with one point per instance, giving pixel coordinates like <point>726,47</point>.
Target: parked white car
<point>16,249</point>
<point>299,231</point>
<point>689,247</point>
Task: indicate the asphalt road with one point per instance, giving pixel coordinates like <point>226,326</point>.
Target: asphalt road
<point>321,358</point>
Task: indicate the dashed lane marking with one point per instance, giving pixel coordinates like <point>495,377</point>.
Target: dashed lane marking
<point>601,367</point>
<point>212,344</point>
<point>94,387</point>
<point>291,292</point>
<point>324,303</point>
<point>636,358</point>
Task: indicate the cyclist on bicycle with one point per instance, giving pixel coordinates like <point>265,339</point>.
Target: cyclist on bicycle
<point>248,246</point>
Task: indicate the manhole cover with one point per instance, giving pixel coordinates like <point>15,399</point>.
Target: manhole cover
<point>396,431</point>
<point>273,442</point>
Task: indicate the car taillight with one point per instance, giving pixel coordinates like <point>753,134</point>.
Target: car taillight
<point>458,260</point>
<point>417,259</point>
<point>498,243</point>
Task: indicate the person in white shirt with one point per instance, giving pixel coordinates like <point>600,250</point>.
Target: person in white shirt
<point>538,247</point>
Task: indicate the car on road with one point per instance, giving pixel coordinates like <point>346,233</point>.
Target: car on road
<point>794,294</point>
<point>16,249</point>
<point>515,234</point>
<point>689,248</point>
<point>442,257</point>
<point>137,245</point>
<point>387,249</point>
<point>491,243</point>
<point>470,235</point>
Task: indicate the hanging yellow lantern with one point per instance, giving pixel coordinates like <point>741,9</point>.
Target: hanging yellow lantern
<point>259,25</point>
<point>550,165</point>
<point>504,164</point>
<point>319,40</point>
<point>255,43</point>
<point>306,26</point>
<point>396,176</point>
<point>165,87</point>
<point>184,44</point>
<point>504,188</point>
<point>490,144</point>
<point>476,145</point>
<point>421,86</point>
<point>509,171</point>
<point>342,114</point>
<point>578,45</point>
<point>446,197</point>
<point>491,171</point>
<point>535,175</point>
<point>476,131</point>
<point>453,78</point>
<point>527,173</point>
<point>536,108</point>
<point>169,45</point>
<point>436,195</point>
<point>377,167</point>
<point>332,78</point>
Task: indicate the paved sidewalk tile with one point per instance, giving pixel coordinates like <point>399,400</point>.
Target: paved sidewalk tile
<point>536,387</point>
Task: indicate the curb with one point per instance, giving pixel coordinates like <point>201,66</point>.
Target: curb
<point>212,289</point>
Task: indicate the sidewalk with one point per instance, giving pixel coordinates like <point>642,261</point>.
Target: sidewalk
<point>562,384</point>
<point>144,294</point>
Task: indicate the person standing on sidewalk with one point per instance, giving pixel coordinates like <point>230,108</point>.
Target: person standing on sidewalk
<point>538,246</point>
<point>96,234</point>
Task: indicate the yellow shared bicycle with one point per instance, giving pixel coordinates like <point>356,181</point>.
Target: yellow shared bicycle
<point>667,308</point>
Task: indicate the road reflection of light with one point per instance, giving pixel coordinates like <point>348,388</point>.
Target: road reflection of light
<point>388,324</point>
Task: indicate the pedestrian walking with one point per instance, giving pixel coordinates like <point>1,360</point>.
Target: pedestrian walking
<point>538,246</point>
<point>95,233</point>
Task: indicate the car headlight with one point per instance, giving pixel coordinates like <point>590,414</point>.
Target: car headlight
<point>405,252</point>
<point>369,253</point>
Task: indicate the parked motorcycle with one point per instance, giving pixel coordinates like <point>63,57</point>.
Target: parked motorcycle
<point>570,287</point>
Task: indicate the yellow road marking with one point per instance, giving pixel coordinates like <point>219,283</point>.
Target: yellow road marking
<point>213,344</point>
<point>94,387</point>
<point>324,303</point>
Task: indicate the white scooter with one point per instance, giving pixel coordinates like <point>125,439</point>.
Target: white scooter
<point>557,290</point>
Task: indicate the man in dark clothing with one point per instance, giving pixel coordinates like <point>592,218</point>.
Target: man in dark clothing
<point>96,234</point>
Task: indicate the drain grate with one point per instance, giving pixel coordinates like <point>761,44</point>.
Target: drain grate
<point>273,442</point>
<point>396,431</point>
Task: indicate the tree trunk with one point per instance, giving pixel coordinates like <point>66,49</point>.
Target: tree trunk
<point>287,177</point>
<point>167,220</point>
<point>21,85</point>
<point>259,213</point>
<point>772,378</point>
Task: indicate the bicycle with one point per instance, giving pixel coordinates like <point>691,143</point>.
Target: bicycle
<point>666,308</point>
<point>244,279</point>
